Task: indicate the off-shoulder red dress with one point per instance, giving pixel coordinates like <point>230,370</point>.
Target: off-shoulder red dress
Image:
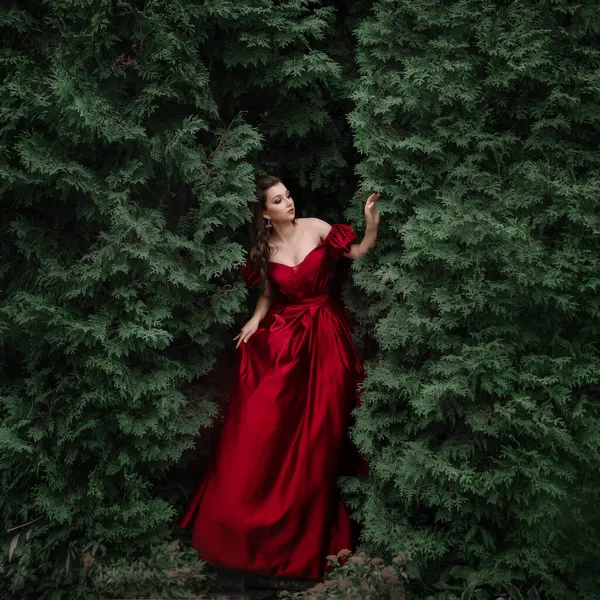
<point>269,502</point>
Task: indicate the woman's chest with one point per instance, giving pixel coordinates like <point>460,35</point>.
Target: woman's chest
<point>308,277</point>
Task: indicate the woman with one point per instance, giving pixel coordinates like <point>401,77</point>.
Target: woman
<point>269,503</point>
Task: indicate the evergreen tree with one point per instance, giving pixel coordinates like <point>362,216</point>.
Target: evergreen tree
<point>130,136</point>
<point>287,66</point>
<point>479,120</point>
<point>121,190</point>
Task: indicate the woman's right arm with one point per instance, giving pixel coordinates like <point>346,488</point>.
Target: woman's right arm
<point>262,306</point>
<point>263,303</point>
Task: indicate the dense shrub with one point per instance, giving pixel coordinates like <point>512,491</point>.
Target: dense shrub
<point>480,122</point>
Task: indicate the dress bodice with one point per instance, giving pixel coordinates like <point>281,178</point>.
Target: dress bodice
<point>308,278</point>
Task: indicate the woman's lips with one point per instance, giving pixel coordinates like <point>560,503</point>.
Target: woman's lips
<point>291,210</point>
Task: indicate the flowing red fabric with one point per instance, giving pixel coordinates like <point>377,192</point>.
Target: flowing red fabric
<point>269,502</point>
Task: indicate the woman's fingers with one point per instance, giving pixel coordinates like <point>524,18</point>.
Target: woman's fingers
<point>371,214</point>
<point>244,337</point>
<point>239,335</point>
<point>371,201</point>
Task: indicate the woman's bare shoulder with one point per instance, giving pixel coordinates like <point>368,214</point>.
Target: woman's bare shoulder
<point>318,225</point>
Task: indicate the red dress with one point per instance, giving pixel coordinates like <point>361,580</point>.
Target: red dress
<point>269,503</point>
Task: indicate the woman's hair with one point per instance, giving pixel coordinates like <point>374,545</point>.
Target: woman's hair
<point>261,250</point>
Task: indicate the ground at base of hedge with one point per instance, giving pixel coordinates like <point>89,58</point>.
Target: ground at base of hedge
<point>234,585</point>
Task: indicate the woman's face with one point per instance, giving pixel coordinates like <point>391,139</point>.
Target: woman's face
<point>279,205</point>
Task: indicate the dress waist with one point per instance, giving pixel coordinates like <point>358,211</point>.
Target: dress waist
<point>311,301</point>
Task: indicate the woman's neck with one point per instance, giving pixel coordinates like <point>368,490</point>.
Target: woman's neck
<point>286,232</point>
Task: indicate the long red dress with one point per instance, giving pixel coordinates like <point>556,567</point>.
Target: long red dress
<point>269,502</point>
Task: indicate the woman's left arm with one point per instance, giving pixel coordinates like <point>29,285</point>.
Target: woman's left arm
<point>372,217</point>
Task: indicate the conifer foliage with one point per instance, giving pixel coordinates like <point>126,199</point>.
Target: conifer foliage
<point>286,67</point>
<point>121,189</point>
<point>480,121</point>
<point>130,134</point>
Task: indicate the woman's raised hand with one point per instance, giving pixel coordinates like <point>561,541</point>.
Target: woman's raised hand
<point>371,213</point>
<point>247,330</point>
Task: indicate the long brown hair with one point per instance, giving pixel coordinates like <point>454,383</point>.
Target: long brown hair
<point>261,251</point>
